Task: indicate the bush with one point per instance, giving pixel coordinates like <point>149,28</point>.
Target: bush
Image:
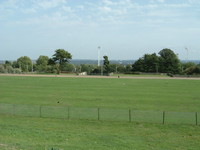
<point>192,70</point>
<point>170,74</point>
<point>9,69</point>
<point>17,71</point>
<point>2,69</point>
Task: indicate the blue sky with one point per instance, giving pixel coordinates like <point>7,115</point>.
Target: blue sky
<point>124,29</point>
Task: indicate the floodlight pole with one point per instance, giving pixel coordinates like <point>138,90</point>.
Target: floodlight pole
<point>99,55</point>
<point>32,66</point>
<point>102,69</point>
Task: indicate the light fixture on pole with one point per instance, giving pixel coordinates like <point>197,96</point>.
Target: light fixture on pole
<point>187,51</point>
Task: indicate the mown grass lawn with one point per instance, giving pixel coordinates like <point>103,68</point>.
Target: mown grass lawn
<point>33,133</point>
<point>137,94</point>
<point>28,133</point>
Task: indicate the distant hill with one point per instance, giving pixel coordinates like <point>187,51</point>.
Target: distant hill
<point>91,61</point>
<point>2,62</point>
<point>194,61</point>
<point>123,62</point>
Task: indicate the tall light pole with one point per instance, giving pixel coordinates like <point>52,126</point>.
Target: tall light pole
<point>102,68</point>
<point>32,66</point>
<point>99,56</point>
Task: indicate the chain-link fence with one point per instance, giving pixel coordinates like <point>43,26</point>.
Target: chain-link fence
<point>107,114</point>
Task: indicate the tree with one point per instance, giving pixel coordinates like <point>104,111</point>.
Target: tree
<point>169,62</point>
<point>138,65</point>
<point>106,64</point>
<point>8,67</point>
<point>120,68</point>
<point>128,69</point>
<point>24,63</point>
<point>148,63</point>
<point>113,68</point>
<point>42,63</point>
<point>96,70</point>
<point>68,68</point>
<point>62,57</point>
<point>8,63</point>
<point>87,68</point>
<point>15,64</point>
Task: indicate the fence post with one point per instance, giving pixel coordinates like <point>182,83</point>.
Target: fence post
<point>68,115</point>
<point>40,109</point>
<point>163,117</point>
<point>98,111</point>
<point>196,118</point>
<point>13,109</point>
<point>129,115</point>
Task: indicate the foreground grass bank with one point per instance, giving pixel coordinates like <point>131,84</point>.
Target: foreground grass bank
<point>43,133</point>
<point>136,94</point>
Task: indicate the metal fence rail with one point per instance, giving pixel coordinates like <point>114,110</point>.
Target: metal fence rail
<point>108,114</point>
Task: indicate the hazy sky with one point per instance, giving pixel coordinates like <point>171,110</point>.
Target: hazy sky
<point>124,29</point>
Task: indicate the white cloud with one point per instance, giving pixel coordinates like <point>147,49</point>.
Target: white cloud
<point>120,7</point>
<point>29,10</point>
<point>67,9</point>
<point>102,12</point>
<point>8,8</point>
<point>9,4</point>
<point>194,1</point>
<point>54,20</point>
<point>105,9</point>
<point>46,4</point>
<point>107,2</point>
<point>161,1</point>
<point>80,7</point>
<point>184,5</point>
<point>155,1</point>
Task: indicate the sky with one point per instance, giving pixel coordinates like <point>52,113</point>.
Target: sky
<point>120,29</point>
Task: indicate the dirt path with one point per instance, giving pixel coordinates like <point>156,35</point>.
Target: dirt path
<point>87,76</point>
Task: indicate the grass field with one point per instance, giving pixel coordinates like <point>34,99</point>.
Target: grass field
<point>43,134</point>
<point>137,94</point>
<point>140,75</point>
<point>33,133</point>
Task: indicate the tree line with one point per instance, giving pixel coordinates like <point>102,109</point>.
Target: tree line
<point>165,62</point>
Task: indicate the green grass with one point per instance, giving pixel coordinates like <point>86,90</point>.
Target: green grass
<point>102,114</point>
<point>136,94</point>
<point>23,133</point>
<point>111,95</point>
<point>140,75</point>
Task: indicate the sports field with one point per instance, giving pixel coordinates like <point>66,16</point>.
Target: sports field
<point>113,93</point>
<point>137,94</point>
